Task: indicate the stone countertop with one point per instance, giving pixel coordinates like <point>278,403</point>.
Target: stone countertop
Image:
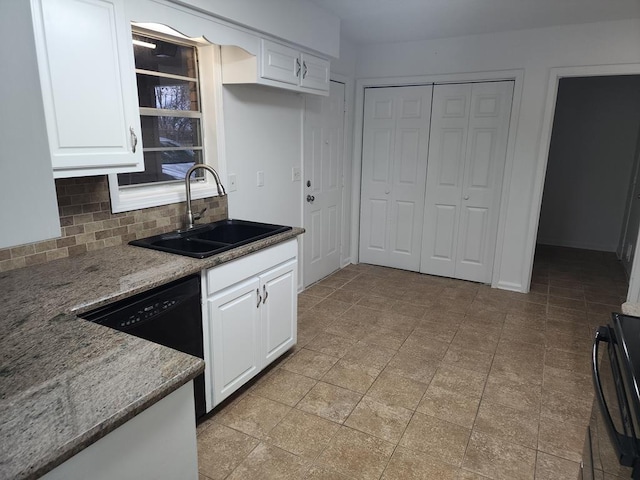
<point>66,382</point>
<point>630,308</point>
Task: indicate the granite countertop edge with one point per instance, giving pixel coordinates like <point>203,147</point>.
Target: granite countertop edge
<point>69,287</point>
<point>187,266</point>
<point>108,425</point>
<point>631,308</point>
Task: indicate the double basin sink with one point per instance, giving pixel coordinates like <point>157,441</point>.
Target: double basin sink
<point>211,238</point>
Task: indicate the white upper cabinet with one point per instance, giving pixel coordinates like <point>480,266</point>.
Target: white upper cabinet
<point>286,64</point>
<point>85,61</point>
<point>315,72</point>
<point>276,65</point>
<point>280,63</point>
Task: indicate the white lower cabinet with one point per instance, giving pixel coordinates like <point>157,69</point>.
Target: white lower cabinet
<point>252,316</point>
<point>159,442</point>
<point>278,310</point>
<point>235,334</point>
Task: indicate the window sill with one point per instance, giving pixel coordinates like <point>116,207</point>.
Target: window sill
<point>136,198</point>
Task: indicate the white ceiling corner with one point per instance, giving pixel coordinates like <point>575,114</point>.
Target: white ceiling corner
<point>382,21</point>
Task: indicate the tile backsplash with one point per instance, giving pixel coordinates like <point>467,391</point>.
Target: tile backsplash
<point>88,224</point>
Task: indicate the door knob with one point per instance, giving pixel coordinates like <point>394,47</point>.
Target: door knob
<point>466,197</point>
<point>310,198</point>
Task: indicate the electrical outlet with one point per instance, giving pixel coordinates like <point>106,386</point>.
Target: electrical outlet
<point>260,179</point>
<point>296,174</point>
<point>232,183</point>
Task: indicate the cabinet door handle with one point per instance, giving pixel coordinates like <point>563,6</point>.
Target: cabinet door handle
<point>297,67</point>
<point>265,294</point>
<point>305,70</point>
<point>134,140</point>
<point>259,297</point>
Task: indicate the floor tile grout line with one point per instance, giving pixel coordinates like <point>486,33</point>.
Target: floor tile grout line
<point>398,299</point>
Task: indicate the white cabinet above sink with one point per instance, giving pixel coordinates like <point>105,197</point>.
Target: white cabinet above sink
<point>276,65</point>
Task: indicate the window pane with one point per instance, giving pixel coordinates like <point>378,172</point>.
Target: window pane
<point>163,167</point>
<point>170,132</point>
<point>165,57</point>
<point>167,93</point>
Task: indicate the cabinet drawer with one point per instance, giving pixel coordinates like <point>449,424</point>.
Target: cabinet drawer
<point>235,271</point>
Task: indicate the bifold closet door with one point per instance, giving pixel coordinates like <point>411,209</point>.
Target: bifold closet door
<point>394,164</point>
<point>467,151</point>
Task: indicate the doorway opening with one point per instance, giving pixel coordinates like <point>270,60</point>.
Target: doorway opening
<point>590,213</point>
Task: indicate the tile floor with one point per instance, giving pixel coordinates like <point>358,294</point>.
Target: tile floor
<point>398,375</point>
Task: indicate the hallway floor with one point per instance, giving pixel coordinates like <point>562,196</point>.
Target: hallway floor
<point>398,375</point>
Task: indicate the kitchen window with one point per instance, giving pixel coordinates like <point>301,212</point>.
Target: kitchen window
<point>178,121</point>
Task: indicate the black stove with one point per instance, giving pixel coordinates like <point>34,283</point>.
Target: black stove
<point>627,330</point>
<point>616,373</point>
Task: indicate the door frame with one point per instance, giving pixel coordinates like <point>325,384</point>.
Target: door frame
<point>515,75</point>
<point>345,234</point>
<point>635,179</point>
<point>555,75</point>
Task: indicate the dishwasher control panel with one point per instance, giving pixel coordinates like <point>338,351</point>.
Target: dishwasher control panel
<point>147,312</point>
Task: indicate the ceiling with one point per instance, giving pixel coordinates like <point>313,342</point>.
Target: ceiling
<point>380,21</point>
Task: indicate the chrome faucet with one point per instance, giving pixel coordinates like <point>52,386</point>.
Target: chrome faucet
<point>190,218</point>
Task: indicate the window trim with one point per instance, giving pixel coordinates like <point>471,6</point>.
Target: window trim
<point>135,197</point>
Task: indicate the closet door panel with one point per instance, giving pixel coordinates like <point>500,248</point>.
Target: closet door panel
<point>447,150</point>
<point>395,141</point>
<point>482,181</point>
<point>445,221</point>
<point>467,151</point>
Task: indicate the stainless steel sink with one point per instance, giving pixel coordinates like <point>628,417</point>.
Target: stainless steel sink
<point>210,239</point>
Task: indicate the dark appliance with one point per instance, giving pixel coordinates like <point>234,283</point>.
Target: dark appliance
<point>613,442</point>
<point>169,315</point>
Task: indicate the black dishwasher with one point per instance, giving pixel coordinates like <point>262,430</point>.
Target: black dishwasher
<point>169,315</point>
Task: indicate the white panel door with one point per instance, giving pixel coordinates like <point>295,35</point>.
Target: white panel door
<point>470,124</point>
<point>322,190</point>
<point>394,164</point>
<point>447,150</point>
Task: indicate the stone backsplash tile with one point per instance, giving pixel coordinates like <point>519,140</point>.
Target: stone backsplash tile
<point>87,223</point>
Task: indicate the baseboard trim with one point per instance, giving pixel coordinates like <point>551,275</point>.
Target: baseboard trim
<point>511,286</point>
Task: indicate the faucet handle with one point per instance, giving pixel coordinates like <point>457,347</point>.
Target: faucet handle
<point>198,216</point>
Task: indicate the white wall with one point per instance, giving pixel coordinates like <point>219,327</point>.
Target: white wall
<point>534,52</point>
<point>263,129</point>
<point>297,21</point>
<point>590,162</point>
<point>263,132</point>
<point>28,206</point>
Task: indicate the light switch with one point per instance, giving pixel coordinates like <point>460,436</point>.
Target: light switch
<point>232,183</point>
<point>296,174</point>
<point>260,179</point>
